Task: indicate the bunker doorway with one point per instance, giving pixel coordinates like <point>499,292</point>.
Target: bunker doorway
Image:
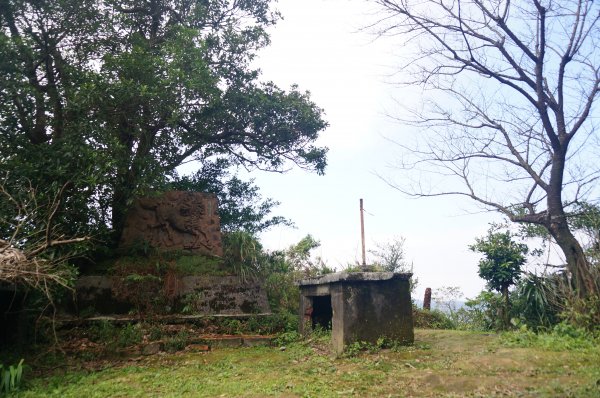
<point>322,313</point>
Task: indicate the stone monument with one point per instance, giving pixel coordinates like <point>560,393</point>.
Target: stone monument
<point>176,220</point>
<point>186,223</point>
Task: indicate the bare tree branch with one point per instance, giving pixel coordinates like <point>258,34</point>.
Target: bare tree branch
<point>514,87</point>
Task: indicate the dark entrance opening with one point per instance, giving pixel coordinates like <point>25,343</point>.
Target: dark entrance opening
<point>12,316</point>
<point>322,313</point>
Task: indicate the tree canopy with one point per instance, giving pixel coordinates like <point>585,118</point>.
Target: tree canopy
<point>241,207</point>
<point>502,262</point>
<point>503,259</point>
<point>110,96</point>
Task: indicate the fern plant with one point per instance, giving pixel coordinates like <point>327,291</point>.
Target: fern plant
<point>243,254</point>
<point>10,377</point>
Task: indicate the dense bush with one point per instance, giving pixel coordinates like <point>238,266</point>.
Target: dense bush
<point>539,304</point>
<point>281,270</point>
<point>563,336</point>
<point>535,302</point>
<point>530,307</point>
<point>482,312</point>
<point>433,319</point>
<point>542,302</point>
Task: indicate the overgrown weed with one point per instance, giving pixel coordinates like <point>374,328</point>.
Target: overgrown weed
<point>563,337</point>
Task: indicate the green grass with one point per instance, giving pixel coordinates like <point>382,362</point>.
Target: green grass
<point>157,263</point>
<point>442,363</point>
<point>201,265</point>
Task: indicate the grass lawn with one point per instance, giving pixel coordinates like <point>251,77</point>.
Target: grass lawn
<point>442,363</point>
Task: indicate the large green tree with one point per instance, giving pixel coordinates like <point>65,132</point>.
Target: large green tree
<point>113,95</point>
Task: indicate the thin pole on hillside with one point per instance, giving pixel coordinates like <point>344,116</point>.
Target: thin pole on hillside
<point>362,233</point>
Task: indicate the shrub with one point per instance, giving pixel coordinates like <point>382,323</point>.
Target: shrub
<point>433,319</point>
<point>541,302</point>
<point>102,332</point>
<point>243,253</point>
<point>10,377</point>
<point>535,302</point>
<point>279,322</point>
<point>177,342</point>
<point>282,293</point>
<point>584,313</point>
<point>564,336</point>
<point>483,312</point>
<point>129,335</point>
<point>113,336</point>
<point>287,338</point>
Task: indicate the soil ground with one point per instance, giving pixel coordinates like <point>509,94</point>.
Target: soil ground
<point>441,363</point>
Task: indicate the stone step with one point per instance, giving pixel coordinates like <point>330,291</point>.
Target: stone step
<point>209,342</point>
<point>166,319</point>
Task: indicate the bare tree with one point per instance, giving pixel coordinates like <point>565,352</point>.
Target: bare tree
<point>512,119</point>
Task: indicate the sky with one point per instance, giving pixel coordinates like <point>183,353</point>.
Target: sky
<point>320,46</point>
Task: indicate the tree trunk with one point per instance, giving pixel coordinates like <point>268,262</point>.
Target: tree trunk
<point>506,311</point>
<point>577,263</point>
<point>118,209</point>
<point>125,179</point>
<point>122,195</point>
<point>557,225</point>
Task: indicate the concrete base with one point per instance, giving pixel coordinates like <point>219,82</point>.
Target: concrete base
<point>359,306</point>
<point>204,295</point>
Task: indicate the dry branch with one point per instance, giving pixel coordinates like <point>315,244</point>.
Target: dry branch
<point>22,261</point>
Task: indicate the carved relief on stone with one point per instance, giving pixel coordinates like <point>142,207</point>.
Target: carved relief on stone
<point>175,221</point>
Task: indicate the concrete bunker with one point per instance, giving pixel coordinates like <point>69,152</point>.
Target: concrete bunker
<point>358,306</point>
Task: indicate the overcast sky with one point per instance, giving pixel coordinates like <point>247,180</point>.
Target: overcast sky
<point>319,46</point>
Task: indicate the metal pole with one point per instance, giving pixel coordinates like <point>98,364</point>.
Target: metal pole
<point>362,234</point>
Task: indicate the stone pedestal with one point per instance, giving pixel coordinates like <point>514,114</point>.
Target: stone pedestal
<point>203,295</point>
<point>358,306</point>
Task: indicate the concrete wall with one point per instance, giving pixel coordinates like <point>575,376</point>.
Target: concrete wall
<point>372,310</point>
<point>202,295</point>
